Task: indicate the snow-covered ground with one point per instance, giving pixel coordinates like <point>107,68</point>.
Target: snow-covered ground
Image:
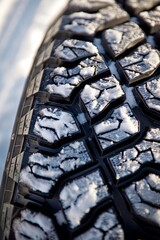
<point>22,28</point>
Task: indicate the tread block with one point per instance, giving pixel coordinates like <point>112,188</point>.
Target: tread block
<point>144,198</point>
<point>129,161</point>
<point>149,93</point>
<point>31,223</point>
<point>139,64</point>
<point>89,189</point>
<point>54,124</point>
<point>85,140</point>
<point>89,5</point>
<point>120,126</point>
<point>87,24</point>
<point>98,96</point>
<point>151,19</point>
<point>106,226</point>
<point>121,38</point>
<point>69,50</point>
<point>72,50</point>
<point>42,172</point>
<point>137,6</point>
<point>65,80</point>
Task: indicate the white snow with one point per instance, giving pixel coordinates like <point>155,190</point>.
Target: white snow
<point>88,24</point>
<point>89,94</point>
<point>79,44</point>
<point>144,199</point>
<point>114,12</point>
<point>84,15</point>
<point>59,71</point>
<point>128,124</point>
<point>114,70</point>
<point>81,118</point>
<point>66,49</point>
<point>41,184</point>
<point>151,17</point>
<point>64,53</point>
<point>106,227</point>
<point>113,36</point>
<point>153,104</point>
<point>59,124</point>
<point>132,159</point>
<point>119,126</point>
<point>81,29</point>
<point>89,189</point>
<point>147,194</point>
<point>60,217</point>
<point>126,165</point>
<point>153,134</point>
<point>64,80</point>
<point>150,93</point>
<point>153,58</point>
<point>63,85</point>
<point>44,133</point>
<point>154,87</point>
<point>106,126</point>
<point>150,213</point>
<point>63,90</point>
<point>33,225</point>
<point>69,79</point>
<point>100,94</point>
<point>122,37</point>
<point>106,221</point>
<point>130,98</point>
<point>87,71</point>
<point>141,63</point>
<point>42,171</point>
<point>154,181</point>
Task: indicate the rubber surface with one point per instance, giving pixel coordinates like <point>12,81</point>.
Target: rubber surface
<point>85,151</point>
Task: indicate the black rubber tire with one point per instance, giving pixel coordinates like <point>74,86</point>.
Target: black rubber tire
<point>84,158</point>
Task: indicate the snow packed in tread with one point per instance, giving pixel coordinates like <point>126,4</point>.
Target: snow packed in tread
<point>90,157</point>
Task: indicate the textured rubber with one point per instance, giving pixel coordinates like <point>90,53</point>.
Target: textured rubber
<point>84,159</point>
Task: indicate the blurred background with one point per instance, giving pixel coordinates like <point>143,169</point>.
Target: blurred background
<point>23,24</point>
